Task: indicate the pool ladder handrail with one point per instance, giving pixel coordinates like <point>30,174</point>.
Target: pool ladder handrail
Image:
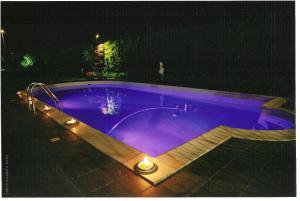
<point>30,88</point>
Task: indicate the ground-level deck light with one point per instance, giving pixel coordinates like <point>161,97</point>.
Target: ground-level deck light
<point>19,94</point>
<point>71,122</point>
<point>30,100</point>
<point>46,108</point>
<point>145,166</point>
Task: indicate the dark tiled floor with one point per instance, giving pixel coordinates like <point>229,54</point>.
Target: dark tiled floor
<point>70,167</point>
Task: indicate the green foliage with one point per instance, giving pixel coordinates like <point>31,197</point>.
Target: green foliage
<point>88,56</point>
<point>113,60</point>
<point>112,54</point>
<point>27,61</point>
<point>112,74</point>
<point>115,55</point>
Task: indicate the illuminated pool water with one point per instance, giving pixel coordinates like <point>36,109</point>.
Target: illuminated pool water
<point>155,121</point>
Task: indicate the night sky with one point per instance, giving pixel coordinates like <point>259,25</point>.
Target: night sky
<point>234,46</point>
<point>64,24</point>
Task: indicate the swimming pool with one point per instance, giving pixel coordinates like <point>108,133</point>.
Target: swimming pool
<point>156,119</point>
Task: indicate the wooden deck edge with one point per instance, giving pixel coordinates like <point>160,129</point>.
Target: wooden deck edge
<point>275,103</point>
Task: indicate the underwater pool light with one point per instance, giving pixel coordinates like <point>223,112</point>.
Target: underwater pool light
<point>145,166</point>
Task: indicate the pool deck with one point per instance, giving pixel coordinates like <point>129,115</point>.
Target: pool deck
<point>73,168</point>
<point>174,160</point>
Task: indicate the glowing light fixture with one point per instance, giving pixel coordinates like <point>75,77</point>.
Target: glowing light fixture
<point>2,31</point>
<point>97,36</point>
<point>71,122</point>
<point>145,166</point>
<point>19,94</point>
<point>46,108</point>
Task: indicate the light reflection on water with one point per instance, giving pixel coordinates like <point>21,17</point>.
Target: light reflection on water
<point>155,123</point>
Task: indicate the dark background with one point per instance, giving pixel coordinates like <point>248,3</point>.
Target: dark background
<point>233,46</point>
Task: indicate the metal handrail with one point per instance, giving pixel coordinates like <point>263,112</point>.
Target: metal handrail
<point>46,90</point>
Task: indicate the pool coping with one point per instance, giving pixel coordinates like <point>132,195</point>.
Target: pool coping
<point>174,160</point>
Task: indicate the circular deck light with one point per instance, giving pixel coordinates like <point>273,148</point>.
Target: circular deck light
<point>71,122</point>
<point>145,166</point>
<point>29,100</point>
<point>46,108</point>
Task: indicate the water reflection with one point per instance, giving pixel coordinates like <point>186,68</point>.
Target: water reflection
<point>161,100</point>
<point>112,103</point>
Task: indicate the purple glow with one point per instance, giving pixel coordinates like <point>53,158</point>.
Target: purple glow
<point>155,123</point>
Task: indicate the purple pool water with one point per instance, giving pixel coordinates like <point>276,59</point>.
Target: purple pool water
<point>155,123</point>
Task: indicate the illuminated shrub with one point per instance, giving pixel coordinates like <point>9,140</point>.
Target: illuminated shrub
<point>113,59</point>
<point>112,55</point>
<point>27,61</point>
<point>90,74</point>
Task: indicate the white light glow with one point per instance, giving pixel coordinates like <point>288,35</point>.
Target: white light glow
<point>145,164</point>
<point>146,161</point>
<point>72,121</point>
<point>46,107</point>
